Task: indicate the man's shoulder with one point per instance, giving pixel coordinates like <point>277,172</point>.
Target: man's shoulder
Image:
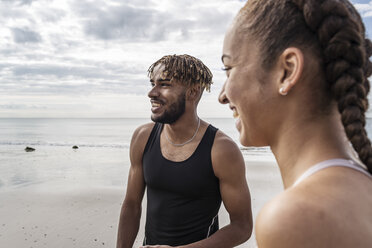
<point>226,155</point>
<point>224,144</point>
<point>144,129</point>
<point>141,134</point>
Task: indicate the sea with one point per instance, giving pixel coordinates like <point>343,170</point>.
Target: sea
<point>102,157</point>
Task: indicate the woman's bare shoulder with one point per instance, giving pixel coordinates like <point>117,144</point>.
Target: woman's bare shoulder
<point>291,220</point>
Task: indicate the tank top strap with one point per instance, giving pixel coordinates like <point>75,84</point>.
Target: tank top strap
<point>154,136</point>
<point>210,134</point>
<point>337,162</point>
<point>206,143</point>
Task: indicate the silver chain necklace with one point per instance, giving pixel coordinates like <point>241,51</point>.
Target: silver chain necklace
<point>188,141</point>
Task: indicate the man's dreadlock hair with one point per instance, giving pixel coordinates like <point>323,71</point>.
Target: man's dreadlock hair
<point>185,68</point>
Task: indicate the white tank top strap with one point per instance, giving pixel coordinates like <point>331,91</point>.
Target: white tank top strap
<point>332,163</point>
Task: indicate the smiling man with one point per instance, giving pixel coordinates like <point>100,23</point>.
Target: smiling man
<point>187,166</point>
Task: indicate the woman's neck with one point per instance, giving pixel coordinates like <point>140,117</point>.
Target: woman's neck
<point>307,142</point>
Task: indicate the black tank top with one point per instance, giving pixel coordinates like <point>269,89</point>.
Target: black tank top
<point>183,198</point>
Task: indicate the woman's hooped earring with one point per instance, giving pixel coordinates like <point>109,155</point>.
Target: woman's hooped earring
<point>282,92</point>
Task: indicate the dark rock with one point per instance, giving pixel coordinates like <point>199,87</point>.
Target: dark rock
<point>75,147</point>
<point>29,149</point>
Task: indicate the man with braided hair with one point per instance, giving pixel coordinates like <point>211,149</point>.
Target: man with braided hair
<point>297,80</point>
<point>187,165</point>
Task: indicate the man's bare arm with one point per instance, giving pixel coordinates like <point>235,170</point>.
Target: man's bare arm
<point>131,209</point>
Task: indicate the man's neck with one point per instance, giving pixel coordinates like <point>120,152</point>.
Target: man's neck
<point>182,129</point>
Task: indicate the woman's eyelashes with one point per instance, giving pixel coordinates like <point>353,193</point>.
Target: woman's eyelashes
<point>226,69</point>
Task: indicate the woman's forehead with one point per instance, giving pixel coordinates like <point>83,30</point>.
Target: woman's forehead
<point>238,45</point>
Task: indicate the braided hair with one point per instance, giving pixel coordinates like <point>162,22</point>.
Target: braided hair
<point>186,69</point>
<point>333,30</point>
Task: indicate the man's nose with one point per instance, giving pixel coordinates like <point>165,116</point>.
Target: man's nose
<point>153,92</point>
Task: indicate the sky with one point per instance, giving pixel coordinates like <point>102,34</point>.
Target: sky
<point>89,58</point>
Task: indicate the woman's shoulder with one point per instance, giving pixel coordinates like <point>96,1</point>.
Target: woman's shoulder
<point>286,221</point>
<point>312,217</point>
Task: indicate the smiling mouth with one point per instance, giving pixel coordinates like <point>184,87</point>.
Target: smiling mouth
<point>155,104</point>
<point>235,112</point>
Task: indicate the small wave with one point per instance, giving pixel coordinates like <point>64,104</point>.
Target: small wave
<point>62,144</point>
<point>257,151</point>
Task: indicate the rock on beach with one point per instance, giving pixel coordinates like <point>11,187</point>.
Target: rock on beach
<point>29,149</point>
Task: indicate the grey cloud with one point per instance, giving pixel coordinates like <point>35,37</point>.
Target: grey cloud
<point>214,20</point>
<point>4,66</point>
<point>98,70</point>
<point>13,12</point>
<point>74,80</point>
<point>46,86</point>
<point>25,36</point>
<point>19,2</point>
<point>80,89</point>
<point>128,23</point>
<point>132,23</point>
<point>52,15</point>
<point>55,70</point>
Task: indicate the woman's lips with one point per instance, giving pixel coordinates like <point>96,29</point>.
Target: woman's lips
<point>237,117</point>
<point>235,113</point>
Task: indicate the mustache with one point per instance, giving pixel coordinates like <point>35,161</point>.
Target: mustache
<point>155,99</point>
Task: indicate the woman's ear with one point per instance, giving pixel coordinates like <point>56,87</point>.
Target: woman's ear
<point>291,64</point>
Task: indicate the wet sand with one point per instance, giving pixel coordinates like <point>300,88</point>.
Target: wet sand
<point>69,214</point>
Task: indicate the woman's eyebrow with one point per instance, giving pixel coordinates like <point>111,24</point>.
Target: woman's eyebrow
<point>225,56</point>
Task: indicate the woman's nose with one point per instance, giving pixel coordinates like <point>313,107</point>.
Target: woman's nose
<point>222,96</point>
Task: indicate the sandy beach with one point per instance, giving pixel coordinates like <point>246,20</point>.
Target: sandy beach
<point>49,217</point>
<point>57,196</point>
<point>68,213</point>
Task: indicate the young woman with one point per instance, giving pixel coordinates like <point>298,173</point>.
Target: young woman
<point>297,81</point>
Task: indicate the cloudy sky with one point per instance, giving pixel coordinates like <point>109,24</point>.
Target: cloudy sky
<point>88,58</point>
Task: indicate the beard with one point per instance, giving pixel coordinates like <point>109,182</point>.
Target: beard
<point>174,112</point>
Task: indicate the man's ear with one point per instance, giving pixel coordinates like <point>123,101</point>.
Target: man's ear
<point>291,64</point>
<point>193,92</point>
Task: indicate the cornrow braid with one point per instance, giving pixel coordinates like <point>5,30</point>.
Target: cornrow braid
<point>346,53</point>
<point>186,69</point>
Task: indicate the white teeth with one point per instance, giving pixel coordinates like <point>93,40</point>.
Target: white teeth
<point>235,114</point>
<point>155,105</point>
